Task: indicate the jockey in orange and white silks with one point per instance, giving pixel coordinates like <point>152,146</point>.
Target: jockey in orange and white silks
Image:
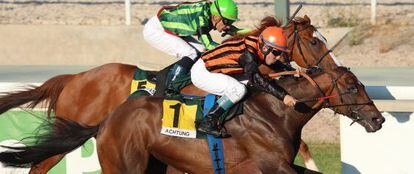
<point>214,70</point>
<point>171,30</point>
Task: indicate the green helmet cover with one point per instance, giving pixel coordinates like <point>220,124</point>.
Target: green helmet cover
<point>228,9</point>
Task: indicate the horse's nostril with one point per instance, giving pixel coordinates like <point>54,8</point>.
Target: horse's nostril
<point>378,120</point>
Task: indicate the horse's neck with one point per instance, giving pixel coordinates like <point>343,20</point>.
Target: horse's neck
<point>328,64</point>
<point>272,112</point>
<point>271,117</point>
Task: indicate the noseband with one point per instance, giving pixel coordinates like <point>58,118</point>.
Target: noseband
<point>354,114</point>
<point>323,101</point>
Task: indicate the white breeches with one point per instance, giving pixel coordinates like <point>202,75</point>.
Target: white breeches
<point>217,83</point>
<point>155,35</point>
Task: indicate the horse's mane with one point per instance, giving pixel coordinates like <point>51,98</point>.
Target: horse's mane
<point>268,21</point>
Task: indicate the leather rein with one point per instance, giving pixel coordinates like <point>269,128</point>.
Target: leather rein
<point>324,99</point>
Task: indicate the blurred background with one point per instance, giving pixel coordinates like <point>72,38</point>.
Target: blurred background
<point>40,32</point>
<point>43,38</point>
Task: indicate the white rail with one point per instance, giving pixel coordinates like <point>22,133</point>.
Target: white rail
<point>127,12</point>
<point>373,11</point>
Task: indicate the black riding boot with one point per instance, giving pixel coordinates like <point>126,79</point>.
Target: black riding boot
<point>180,68</point>
<point>211,122</point>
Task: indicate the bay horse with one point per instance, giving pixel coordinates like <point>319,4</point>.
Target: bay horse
<point>265,138</point>
<point>104,88</point>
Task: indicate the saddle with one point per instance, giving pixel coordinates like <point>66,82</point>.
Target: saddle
<point>152,83</point>
<point>158,78</point>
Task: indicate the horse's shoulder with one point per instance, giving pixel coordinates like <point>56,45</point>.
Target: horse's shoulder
<point>143,101</point>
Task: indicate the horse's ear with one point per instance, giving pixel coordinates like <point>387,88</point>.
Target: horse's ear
<point>307,19</point>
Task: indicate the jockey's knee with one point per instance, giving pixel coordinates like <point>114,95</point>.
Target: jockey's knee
<point>197,72</point>
<point>235,92</point>
<point>190,53</point>
<point>149,28</point>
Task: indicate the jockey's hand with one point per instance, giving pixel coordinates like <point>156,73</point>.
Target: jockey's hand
<point>289,100</point>
<point>232,30</point>
<point>228,32</point>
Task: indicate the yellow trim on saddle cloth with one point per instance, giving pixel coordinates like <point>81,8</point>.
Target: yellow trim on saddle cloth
<point>142,85</point>
<point>178,119</point>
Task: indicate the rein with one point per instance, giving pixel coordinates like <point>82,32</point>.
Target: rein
<point>352,113</point>
<point>303,74</point>
<point>325,98</point>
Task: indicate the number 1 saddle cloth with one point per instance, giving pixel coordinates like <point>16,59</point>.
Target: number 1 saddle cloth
<point>179,112</point>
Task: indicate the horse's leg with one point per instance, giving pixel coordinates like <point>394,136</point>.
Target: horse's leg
<point>302,170</point>
<point>281,167</point>
<point>155,166</point>
<point>118,154</point>
<point>274,163</point>
<point>306,156</point>
<point>123,139</point>
<point>172,170</point>
<point>46,165</point>
<point>245,167</point>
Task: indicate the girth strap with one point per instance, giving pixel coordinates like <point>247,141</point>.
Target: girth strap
<point>214,144</point>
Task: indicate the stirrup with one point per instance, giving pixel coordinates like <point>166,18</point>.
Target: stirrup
<point>222,133</point>
<point>200,125</point>
<point>168,92</point>
<point>216,131</point>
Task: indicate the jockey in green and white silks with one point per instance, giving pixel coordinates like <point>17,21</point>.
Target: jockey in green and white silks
<point>171,31</point>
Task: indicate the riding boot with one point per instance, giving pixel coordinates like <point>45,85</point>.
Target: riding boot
<point>180,68</point>
<point>211,124</point>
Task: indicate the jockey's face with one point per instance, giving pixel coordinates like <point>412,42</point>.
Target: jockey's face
<point>219,23</point>
<point>272,57</point>
<point>272,54</point>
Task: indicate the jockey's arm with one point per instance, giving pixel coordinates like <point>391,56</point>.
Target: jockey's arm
<point>205,38</point>
<point>278,66</point>
<point>234,30</point>
<point>257,80</point>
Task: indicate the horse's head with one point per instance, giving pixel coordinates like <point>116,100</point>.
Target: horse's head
<point>308,46</point>
<point>347,96</point>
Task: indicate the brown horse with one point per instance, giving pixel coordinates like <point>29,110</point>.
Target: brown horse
<point>265,137</point>
<point>104,88</point>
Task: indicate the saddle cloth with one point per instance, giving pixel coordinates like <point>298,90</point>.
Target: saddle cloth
<point>179,112</point>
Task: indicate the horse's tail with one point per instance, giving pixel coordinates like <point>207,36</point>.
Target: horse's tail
<point>33,95</point>
<point>61,136</point>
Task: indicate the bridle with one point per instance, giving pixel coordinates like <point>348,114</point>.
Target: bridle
<point>297,39</point>
<point>323,101</point>
<point>354,114</point>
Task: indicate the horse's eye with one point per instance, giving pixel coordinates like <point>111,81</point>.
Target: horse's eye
<point>353,90</point>
<point>314,42</point>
